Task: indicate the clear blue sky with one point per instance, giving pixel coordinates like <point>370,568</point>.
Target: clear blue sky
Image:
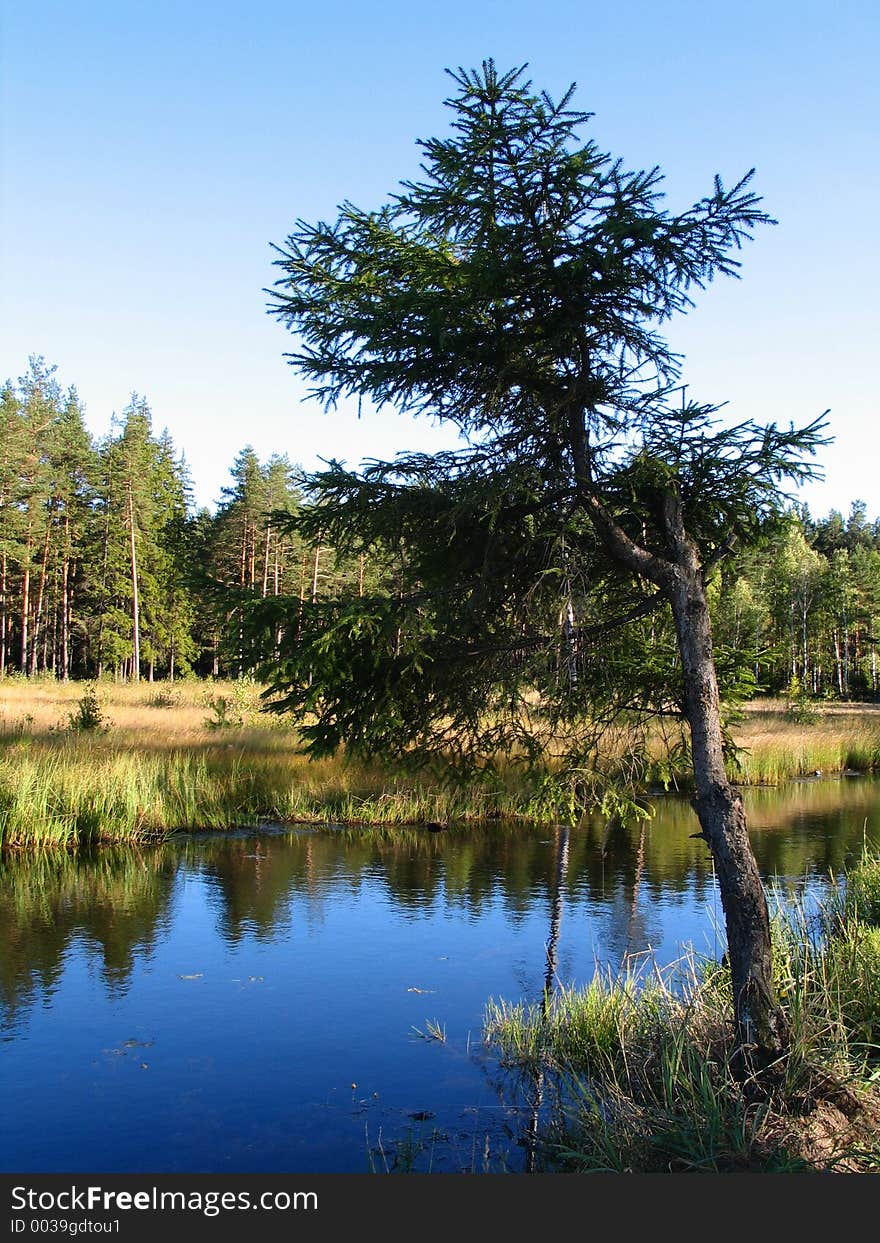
<point>152,151</point>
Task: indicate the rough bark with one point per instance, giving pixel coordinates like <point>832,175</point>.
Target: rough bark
<point>65,605</point>
<point>135,605</point>
<point>759,1021</point>
<point>25,610</point>
<point>3,614</point>
<point>41,591</point>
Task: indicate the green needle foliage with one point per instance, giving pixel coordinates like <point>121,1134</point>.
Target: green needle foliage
<point>516,291</point>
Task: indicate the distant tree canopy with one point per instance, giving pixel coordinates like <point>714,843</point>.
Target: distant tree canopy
<point>800,605</point>
<point>107,568</point>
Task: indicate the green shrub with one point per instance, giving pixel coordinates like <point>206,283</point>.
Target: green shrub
<point>88,717</point>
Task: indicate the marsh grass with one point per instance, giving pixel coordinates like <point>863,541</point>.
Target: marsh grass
<point>773,749</point>
<point>861,901</point>
<point>646,1076</point>
<point>157,765</point>
<point>434,1030</point>
<point>145,760</point>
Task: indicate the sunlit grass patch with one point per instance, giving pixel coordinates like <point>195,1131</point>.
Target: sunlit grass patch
<point>646,1077</point>
<point>162,757</point>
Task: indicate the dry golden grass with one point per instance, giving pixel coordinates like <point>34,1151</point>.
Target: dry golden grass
<point>192,755</point>
<point>201,754</point>
<point>838,738</point>
<point>155,715</point>
<point>163,716</point>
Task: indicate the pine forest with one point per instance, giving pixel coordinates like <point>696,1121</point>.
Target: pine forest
<point>107,569</point>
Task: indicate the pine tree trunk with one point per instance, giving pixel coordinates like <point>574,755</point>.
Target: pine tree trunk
<point>315,572</point>
<point>41,590</point>
<point>845,653</point>
<point>55,660</point>
<point>265,590</point>
<point>3,615</point>
<point>302,594</point>
<point>65,613</point>
<point>25,609</point>
<point>105,558</point>
<point>135,611</point>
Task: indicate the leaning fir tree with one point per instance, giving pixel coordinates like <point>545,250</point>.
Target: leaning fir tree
<point>551,575</point>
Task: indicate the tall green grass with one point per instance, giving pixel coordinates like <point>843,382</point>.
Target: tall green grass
<point>124,763</point>
<point>646,1076</point>
<point>71,791</point>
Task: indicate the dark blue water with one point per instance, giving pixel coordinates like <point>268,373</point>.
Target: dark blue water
<point>265,1002</point>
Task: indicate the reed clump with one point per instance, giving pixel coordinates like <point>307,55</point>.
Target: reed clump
<point>121,763</point>
<point>644,1075</point>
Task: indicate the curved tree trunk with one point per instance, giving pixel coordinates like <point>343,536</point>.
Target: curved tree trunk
<point>760,1024</point>
<point>759,1021</point>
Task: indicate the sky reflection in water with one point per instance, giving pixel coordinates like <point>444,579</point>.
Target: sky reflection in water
<point>261,1002</point>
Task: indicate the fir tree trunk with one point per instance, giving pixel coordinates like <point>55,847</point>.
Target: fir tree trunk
<point>759,1021</point>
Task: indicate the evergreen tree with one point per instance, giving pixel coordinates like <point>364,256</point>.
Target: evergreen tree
<point>143,502</point>
<point>12,456</point>
<point>516,292</point>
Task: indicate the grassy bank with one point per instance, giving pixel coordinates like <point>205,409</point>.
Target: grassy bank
<point>136,761</point>
<point>157,759</point>
<point>839,738</point>
<point>637,1072</point>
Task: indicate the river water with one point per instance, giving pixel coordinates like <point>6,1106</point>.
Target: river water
<point>270,1000</point>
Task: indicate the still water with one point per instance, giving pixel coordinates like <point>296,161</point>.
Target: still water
<point>264,1001</point>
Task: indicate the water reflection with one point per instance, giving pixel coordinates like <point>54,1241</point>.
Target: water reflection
<point>563,836</point>
<point>117,900</point>
<point>114,903</point>
<point>206,1003</point>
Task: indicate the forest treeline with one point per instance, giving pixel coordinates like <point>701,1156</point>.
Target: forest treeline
<point>108,569</point>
